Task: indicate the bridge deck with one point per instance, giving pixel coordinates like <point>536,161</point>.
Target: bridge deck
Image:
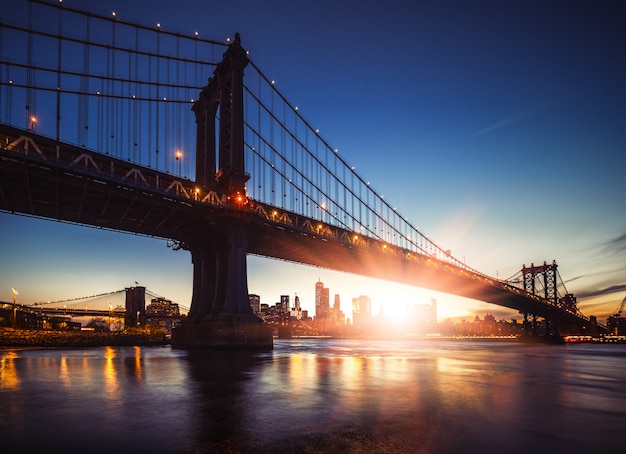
<point>43,178</point>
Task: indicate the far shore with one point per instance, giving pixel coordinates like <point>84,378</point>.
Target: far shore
<point>47,338</point>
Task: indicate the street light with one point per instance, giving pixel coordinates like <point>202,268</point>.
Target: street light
<point>179,155</point>
<point>14,308</point>
<point>33,126</point>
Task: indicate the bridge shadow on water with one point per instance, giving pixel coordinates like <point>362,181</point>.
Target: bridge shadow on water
<point>220,377</point>
<point>235,391</point>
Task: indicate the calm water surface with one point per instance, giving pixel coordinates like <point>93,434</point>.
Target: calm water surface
<point>316,396</point>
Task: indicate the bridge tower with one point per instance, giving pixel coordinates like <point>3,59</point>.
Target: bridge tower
<point>220,313</point>
<point>135,307</point>
<point>543,276</point>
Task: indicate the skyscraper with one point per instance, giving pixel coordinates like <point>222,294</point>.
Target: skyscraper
<point>361,309</point>
<point>255,303</point>
<point>322,301</point>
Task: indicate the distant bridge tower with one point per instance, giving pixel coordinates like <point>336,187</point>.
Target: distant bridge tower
<point>543,276</point>
<point>545,273</point>
<point>135,307</point>
<point>220,313</point>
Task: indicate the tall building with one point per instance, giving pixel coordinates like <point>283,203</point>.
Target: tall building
<point>361,309</point>
<point>336,315</point>
<point>433,311</point>
<point>297,303</point>
<point>322,301</point>
<point>284,303</point>
<point>255,303</point>
<point>296,311</point>
<point>424,316</point>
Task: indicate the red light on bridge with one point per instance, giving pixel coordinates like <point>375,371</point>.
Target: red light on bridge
<point>239,198</point>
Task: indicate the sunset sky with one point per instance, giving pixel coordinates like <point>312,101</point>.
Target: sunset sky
<point>498,128</point>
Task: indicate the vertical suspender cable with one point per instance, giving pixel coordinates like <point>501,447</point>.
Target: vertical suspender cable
<point>259,173</point>
<point>167,120</point>
<point>85,84</point>
<point>112,94</point>
<point>137,120</point>
<point>29,70</point>
<point>129,110</point>
<point>58,96</point>
<point>158,100</point>
<point>149,89</point>
<point>79,98</point>
<point>107,103</point>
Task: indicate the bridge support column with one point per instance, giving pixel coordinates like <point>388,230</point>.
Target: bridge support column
<point>220,314</point>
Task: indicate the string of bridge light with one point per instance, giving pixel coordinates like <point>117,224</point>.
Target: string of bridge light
<point>364,184</point>
<point>80,298</point>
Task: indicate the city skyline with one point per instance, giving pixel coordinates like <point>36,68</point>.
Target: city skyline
<point>496,129</point>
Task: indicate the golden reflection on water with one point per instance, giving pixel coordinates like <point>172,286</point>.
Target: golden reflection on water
<point>111,383</point>
<point>138,369</point>
<point>64,374</point>
<point>9,379</point>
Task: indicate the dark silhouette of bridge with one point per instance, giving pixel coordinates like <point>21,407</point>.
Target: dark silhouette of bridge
<point>264,182</point>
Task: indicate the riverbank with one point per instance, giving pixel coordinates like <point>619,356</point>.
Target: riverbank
<point>44,338</point>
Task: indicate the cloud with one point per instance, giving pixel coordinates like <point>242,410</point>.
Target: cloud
<point>603,291</point>
<point>616,244</point>
<point>502,124</point>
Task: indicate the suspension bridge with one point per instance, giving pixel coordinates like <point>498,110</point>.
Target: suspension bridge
<point>128,304</point>
<point>125,126</point>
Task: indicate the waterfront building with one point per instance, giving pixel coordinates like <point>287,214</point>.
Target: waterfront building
<point>296,311</point>
<point>361,310</point>
<point>162,312</point>
<point>322,301</point>
<point>255,303</point>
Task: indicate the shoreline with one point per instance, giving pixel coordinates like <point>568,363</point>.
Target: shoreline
<point>45,338</point>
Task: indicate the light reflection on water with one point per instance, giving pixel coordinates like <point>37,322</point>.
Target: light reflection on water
<point>316,396</point>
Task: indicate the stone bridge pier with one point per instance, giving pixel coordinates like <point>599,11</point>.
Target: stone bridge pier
<point>220,314</point>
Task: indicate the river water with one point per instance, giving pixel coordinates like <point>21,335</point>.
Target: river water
<point>317,396</point>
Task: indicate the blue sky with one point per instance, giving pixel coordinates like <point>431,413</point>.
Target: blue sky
<point>497,128</point>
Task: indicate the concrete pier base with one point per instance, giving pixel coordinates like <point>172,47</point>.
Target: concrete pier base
<point>224,331</point>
